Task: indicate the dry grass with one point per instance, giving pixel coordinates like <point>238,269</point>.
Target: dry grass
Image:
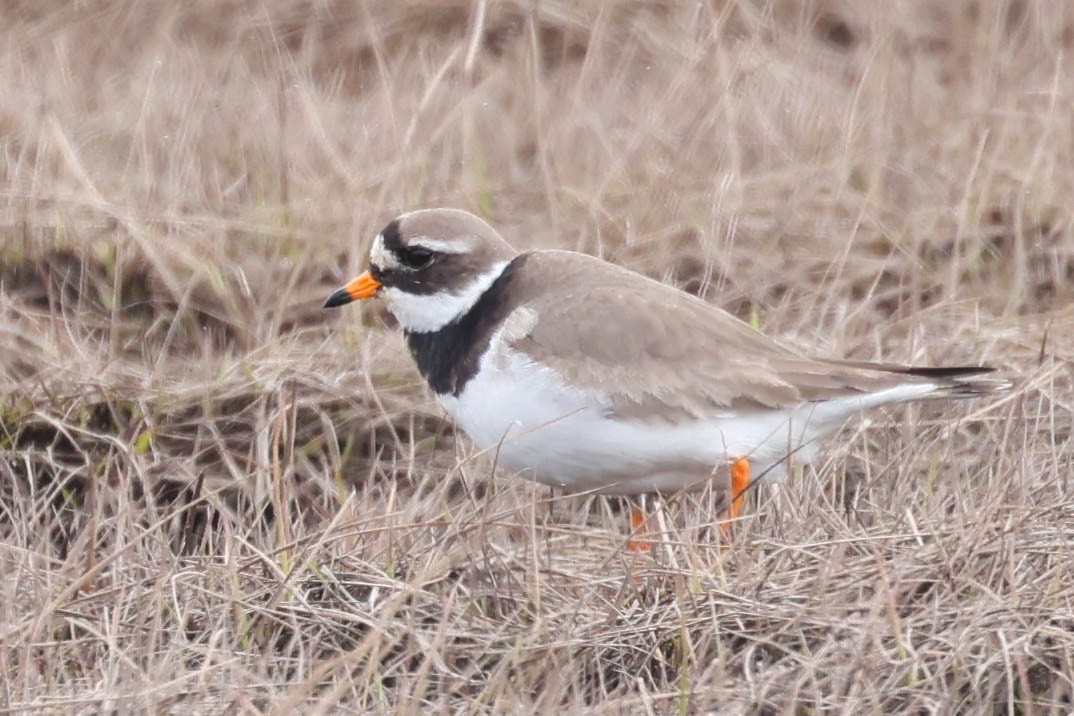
<point>215,497</point>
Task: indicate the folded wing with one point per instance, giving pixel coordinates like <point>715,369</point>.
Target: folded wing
<point>658,351</point>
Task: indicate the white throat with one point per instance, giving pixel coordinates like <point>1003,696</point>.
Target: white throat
<point>425,313</point>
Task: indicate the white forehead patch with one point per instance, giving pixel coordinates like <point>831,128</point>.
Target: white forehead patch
<point>380,256</point>
<point>458,245</point>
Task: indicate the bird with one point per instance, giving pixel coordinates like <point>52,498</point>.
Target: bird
<point>584,375</point>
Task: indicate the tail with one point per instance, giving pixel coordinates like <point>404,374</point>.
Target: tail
<point>967,381</point>
<point>960,381</point>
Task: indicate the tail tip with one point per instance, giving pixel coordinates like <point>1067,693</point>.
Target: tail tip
<point>974,384</point>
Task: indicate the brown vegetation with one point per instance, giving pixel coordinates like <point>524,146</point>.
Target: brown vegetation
<point>216,497</point>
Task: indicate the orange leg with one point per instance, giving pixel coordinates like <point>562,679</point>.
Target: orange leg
<point>740,480</point>
<point>638,518</point>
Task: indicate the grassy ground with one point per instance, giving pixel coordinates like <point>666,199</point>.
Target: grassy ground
<point>216,497</point>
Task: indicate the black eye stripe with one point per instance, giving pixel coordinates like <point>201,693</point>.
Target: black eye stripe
<point>414,257</point>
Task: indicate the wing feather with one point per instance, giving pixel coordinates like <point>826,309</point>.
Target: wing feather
<point>646,344</point>
<point>657,351</point>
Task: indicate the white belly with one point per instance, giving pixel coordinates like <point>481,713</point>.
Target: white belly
<point>525,416</point>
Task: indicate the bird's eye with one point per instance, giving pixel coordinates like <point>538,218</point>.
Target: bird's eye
<point>415,257</point>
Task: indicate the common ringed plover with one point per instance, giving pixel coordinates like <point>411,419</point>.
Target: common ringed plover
<point>590,377</point>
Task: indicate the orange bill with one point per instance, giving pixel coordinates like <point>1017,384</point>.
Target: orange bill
<point>362,287</point>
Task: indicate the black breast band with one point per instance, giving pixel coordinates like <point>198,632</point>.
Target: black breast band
<point>450,357</point>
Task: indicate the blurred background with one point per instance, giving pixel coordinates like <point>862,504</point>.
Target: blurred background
<point>216,496</point>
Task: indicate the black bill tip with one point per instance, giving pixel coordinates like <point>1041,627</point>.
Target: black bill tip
<point>340,298</point>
